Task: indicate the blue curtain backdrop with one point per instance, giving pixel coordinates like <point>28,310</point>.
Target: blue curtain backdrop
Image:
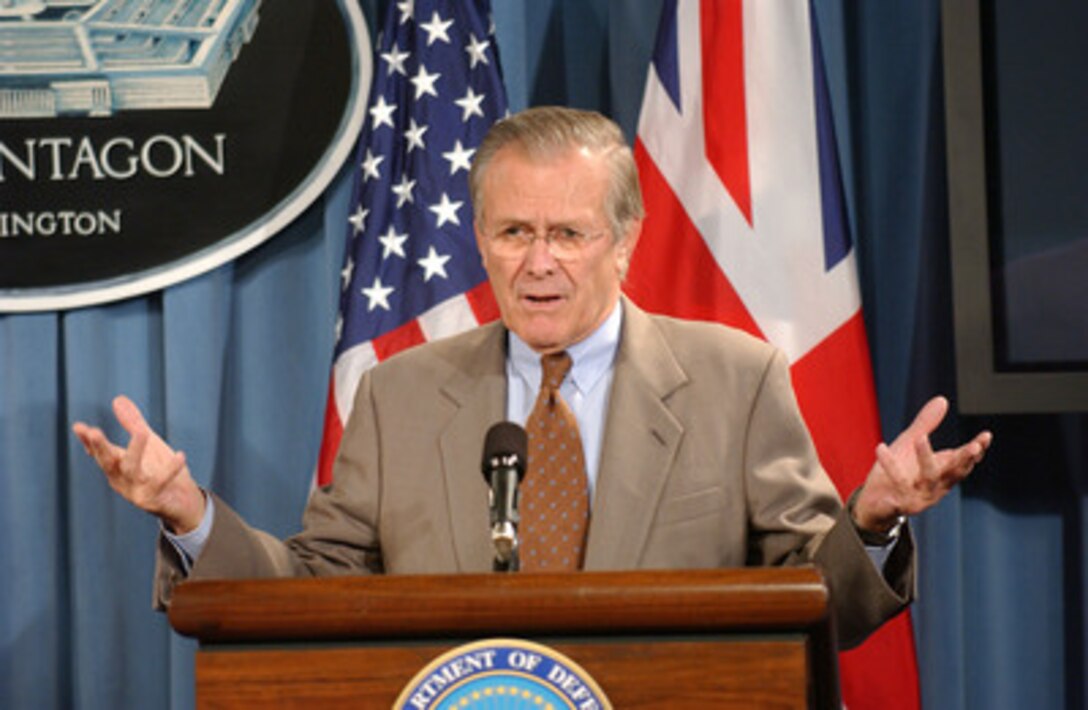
<point>232,367</point>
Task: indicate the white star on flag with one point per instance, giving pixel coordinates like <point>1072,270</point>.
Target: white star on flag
<point>358,219</point>
<point>382,113</point>
<point>370,165</point>
<point>393,243</point>
<point>395,59</point>
<point>459,158</point>
<point>446,210</point>
<point>434,264</point>
<point>436,29</point>
<point>345,273</point>
<point>407,10</point>
<point>470,103</point>
<point>476,51</point>
<point>377,295</point>
<point>414,135</point>
<point>424,82</point>
<point>403,191</point>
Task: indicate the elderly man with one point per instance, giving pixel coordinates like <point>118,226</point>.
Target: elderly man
<point>666,444</point>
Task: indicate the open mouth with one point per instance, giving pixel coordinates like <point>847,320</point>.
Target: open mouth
<point>542,299</point>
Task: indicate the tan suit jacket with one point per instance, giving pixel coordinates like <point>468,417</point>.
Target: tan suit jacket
<point>707,463</point>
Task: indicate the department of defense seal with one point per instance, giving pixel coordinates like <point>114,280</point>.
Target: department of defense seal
<point>502,673</point>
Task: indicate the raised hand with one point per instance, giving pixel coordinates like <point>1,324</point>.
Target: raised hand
<point>909,476</point>
<point>147,473</point>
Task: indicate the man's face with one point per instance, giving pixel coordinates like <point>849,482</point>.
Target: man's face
<point>551,303</point>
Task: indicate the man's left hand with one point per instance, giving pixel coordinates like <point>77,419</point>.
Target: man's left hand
<point>909,476</point>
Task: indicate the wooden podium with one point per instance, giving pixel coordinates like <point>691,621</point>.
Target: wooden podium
<point>740,638</point>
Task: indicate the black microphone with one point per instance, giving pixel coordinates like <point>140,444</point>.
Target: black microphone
<point>504,466</point>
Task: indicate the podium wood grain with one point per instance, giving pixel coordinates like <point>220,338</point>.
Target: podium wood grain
<point>704,638</point>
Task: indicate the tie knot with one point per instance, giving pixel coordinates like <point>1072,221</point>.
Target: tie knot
<point>555,366</point>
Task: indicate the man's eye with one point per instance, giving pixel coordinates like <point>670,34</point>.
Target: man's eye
<point>568,234</point>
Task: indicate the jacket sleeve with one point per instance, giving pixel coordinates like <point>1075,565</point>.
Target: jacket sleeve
<point>796,516</point>
<point>339,535</point>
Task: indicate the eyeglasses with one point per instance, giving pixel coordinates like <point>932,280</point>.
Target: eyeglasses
<point>564,243</point>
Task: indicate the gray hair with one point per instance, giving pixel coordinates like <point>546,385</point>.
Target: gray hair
<point>546,131</point>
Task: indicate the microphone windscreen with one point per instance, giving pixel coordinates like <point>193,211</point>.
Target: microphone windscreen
<point>503,440</point>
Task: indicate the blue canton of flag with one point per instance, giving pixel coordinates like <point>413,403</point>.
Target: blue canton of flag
<point>412,272</point>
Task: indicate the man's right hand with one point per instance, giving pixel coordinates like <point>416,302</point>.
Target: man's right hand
<point>148,473</point>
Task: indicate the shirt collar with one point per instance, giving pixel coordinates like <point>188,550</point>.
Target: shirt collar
<point>592,356</point>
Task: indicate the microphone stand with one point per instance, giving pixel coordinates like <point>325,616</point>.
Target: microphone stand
<point>505,473</point>
<point>504,537</point>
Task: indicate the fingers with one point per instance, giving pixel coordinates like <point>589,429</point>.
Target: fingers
<point>132,463</point>
<point>978,448</point>
<point>113,459</point>
<point>954,465</point>
<point>983,439</point>
<point>97,446</point>
<point>929,473</point>
<point>887,460</point>
<point>970,454</point>
<point>129,415</point>
<point>84,434</point>
<point>929,417</point>
<point>915,476</point>
<point>147,472</point>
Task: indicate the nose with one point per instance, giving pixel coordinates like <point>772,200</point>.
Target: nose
<point>538,257</point>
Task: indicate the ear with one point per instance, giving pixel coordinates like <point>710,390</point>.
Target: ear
<point>626,246</point>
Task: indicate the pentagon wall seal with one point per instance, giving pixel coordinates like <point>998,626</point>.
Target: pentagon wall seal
<point>145,142</point>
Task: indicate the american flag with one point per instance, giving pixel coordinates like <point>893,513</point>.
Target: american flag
<point>746,225</point>
<point>411,269</point>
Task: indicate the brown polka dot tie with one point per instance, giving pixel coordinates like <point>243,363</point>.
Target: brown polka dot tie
<point>554,495</point>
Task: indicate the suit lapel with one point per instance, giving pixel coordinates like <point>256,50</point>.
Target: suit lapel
<point>478,391</point>
<point>641,438</point>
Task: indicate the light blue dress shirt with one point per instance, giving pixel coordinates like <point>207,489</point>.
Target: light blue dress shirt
<point>585,389</point>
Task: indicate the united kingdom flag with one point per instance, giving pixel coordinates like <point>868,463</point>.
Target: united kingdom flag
<point>746,225</point>
<point>411,269</point>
